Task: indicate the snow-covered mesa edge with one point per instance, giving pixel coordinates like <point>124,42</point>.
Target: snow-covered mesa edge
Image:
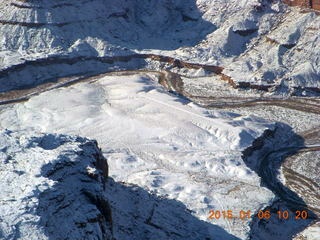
<point>52,187</point>
<point>156,140</point>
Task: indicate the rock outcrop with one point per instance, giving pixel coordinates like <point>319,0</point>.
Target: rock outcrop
<point>256,44</point>
<point>52,187</point>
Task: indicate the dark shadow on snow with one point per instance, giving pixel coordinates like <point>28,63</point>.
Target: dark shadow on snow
<point>265,157</point>
<point>137,24</point>
<point>139,214</point>
<point>162,25</point>
<point>79,205</point>
<point>74,206</point>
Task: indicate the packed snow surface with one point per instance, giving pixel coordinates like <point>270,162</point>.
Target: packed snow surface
<point>156,140</point>
<point>161,142</point>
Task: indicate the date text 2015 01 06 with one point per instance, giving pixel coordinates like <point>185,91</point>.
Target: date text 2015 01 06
<point>262,214</point>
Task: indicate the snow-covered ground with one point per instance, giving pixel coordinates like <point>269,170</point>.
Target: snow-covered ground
<point>312,232</point>
<point>257,41</point>
<point>158,141</point>
<point>176,153</point>
<point>46,182</point>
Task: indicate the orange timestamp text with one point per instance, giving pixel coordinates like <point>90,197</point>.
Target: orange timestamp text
<point>262,214</point>
<point>285,214</point>
<point>229,214</point>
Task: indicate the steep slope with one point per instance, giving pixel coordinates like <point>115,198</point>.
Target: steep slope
<point>159,141</point>
<point>52,188</point>
<point>98,27</point>
<point>185,160</point>
<point>261,44</point>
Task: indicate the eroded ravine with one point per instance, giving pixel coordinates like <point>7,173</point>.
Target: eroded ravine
<point>172,62</point>
<point>307,199</point>
<point>173,82</point>
<point>298,194</point>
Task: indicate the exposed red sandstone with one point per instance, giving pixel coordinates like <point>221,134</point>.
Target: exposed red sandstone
<point>314,4</point>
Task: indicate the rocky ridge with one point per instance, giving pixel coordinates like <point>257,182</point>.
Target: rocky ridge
<point>52,188</point>
<point>260,44</point>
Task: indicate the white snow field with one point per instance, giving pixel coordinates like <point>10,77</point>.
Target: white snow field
<point>158,141</point>
<point>162,150</point>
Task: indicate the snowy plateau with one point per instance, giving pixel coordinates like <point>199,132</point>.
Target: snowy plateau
<point>134,120</point>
